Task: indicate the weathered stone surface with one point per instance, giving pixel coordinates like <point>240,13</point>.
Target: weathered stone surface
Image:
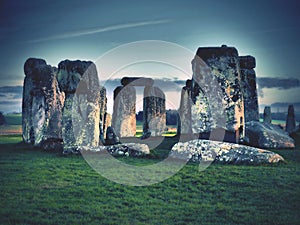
<point>248,87</point>
<point>42,104</point>
<point>103,108</point>
<point>107,123</point>
<point>290,120</point>
<point>137,81</point>
<point>123,118</point>
<point>154,111</point>
<point>267,115</point>
<point>206,151</point>
<point>266,135</point>
<point>216,76</point>
<point>185,119</point>
<point>81,111</point>
<point>247,62</point>
<point>111,137</point>
<point>125,149</point>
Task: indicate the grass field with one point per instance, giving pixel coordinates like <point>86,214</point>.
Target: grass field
<point>40,187</point>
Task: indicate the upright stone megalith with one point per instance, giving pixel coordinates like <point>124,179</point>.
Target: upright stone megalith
<point>42,105</point>
<point>154,111</point>
<point>248,87</point>
<point>184,125</point>
<point>81,111</point>
<point>216,77</point>
<point>123,118</point>
<point>267,115</point>
<point>290,126</point>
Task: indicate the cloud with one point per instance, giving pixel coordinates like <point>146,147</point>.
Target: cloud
<point>275,82</point>
<point>100,30</point>
<point>11,92</point>
<point>11,98</point>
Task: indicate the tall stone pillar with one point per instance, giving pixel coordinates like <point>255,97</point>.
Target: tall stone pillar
<point>184,125</point>
<point>154,111</point>
<point>81,111</point>
<point>42,105</point>
<point>248,87</point>
<point>290,126</point>
<point>123,118</point>
<point>267,115</point>
<point>216,71</point>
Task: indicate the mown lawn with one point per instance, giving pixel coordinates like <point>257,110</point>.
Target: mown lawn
<point>40,187</point>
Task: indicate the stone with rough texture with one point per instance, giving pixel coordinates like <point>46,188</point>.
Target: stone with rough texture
<point>42,105</point>
<point>248,87</point>
<point>266,135</point>
<point>103,108</point>
<point>154,111</point>
<point>111,137</point>
<point>290,120</point>
<point>207,151</point>
<point>107,123</point>
<point>123,118</point>
<point>81,111</point>
<point>216,78</point>
<point>125,149</point>
<point>267,115</point>
<point>137,81</point>
<point>184,120</point>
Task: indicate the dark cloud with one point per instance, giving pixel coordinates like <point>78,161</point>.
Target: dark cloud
<point>11,89</point>
<point>280,83</point>
<point>11,98</point>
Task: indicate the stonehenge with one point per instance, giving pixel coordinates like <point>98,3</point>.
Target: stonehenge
<point>66,108</point>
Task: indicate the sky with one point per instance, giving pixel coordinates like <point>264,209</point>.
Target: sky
<point>86,30</point>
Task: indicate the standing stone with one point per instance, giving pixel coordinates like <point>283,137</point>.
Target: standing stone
<point>267,115</point>
<point>248,87</point>
<point>81,112</point>
<point>123,119</point>
<point>216,74</point>
<point>107,122</point>
<point>103,109</point>
<point>154,111</point>
<point>185,122</point>
<point>42,105</point>
<point>290,120</point>
<point>111,137</point>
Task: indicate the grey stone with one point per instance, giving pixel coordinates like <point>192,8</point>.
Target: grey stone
<point>248,87</point>
<point>111,137</point>
<point>267,136</point>
<point>207,151</point>
<point>42,105</point>
<point>81,111</point>
<point>290,120</point>
<point>125,149</point>
<point>154,111</point>
<point>216,76</point>
<point>267,115</point>
<point>137,81</point>
<point>185,114</point>
<point>123,118</point>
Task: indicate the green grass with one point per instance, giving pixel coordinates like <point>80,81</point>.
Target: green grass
<point>39,187</point>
